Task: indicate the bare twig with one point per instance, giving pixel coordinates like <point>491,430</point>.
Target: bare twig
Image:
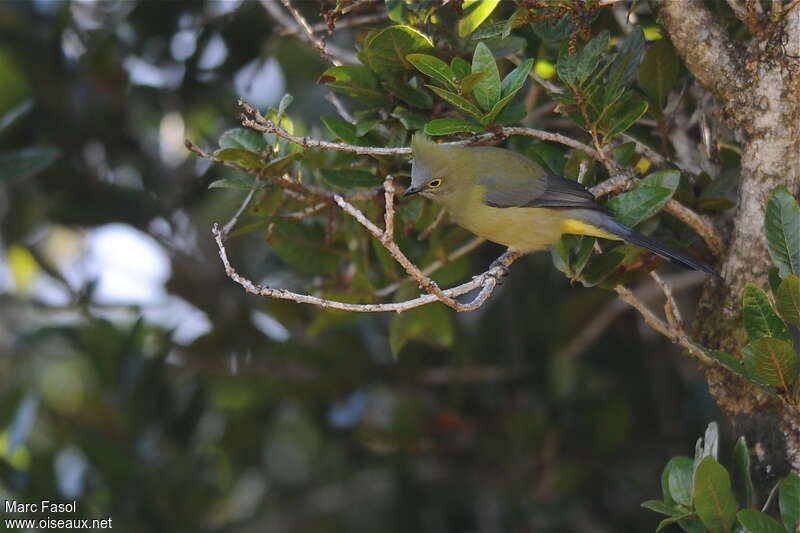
<point>361,20</point>
<point>679,337</point>
<point>340,108</point>
<point>228,227</point>
<point>333,53</point>
<point>700,223</point>
<point>263,124</point>
<point>302,213</point>
<point>486,282</point>
<point>435,224</point>
<point>436,265</point>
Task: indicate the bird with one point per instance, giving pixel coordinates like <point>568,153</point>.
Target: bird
<point>507,198</point>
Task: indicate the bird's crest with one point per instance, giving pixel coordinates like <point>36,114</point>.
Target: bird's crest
<point>427,152</point>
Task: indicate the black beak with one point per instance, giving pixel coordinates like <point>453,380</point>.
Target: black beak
<point>411,190</point>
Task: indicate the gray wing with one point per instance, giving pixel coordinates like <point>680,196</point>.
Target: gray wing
<point>547,191</point>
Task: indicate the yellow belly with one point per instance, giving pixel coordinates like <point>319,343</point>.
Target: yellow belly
<point>524,229</point>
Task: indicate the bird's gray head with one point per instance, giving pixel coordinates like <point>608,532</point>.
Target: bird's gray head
<point>429,169</point>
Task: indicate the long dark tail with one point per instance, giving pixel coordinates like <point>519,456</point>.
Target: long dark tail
<point>634,237</point>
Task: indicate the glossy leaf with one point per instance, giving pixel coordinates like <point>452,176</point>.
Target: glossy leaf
<point>26,162</point>
<point>356,81</point>
<point>660,507</point>
<point>776,362</point>
<point>435,68</point>
<point>553,29</point>
<point>411,120</point>
<point>496,110</point>
<point>350,178</point>
<point>567,66</point>
<point>515,79</point>
<point>242,138</point>
<point>469,81</point>
<point>634,109</point>
<point>757,522</point>
<point>789,501</point>
<point>639,204</point>
<point>243,183</point>
<point>658,73</point>
<point>760,319</point>
<point>787,299</point>
<point>450,125</point>
<point>475,12</point>
<point>487,89</point>
<point>589,57</point>
<point>782,228</point>
<point>240,157</point>
<point>341,129</point>
<point>386,50</point>
<point>713,499</point>
<point>462,104</point>
<point>623,69</point>
<point>409,94</point>
<point>460,67</point>
<point>397,10</point>
<point>742,482</point>
<point>727,360</point>
<point>676,481</point>
<point>600,267</point>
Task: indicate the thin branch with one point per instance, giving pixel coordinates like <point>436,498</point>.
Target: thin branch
<point>436,265</point>
<point>333,53</point>
<point>227,228</point>
<point>361,20</point>
<point>650,318</point>
<point>486,282</point>
<point>264,125</point>
<point>699,223</point>
<point>435,224</point>
<point>302,213</point>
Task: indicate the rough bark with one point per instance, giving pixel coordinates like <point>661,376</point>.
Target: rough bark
<point>757,86</point>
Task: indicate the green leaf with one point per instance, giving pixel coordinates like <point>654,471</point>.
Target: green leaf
<point>490,117</point>
<point>661,507</point>
<point>513,113</point>
<point>460,67</point>
<point>240,157</point>
<point>469,81</point>
<point>787,299</point>
<point>713,499</point>
<point>623,68</point>
<point>776,362</point>
<point>600,267</point>
<point>631,112</point>
<point>743,483</point>
<point>462,104</point>
<point>432,324</point>
<point>487,89</point>
<point>551,29</point>
<point>589,57</point>
<point>349,178</point>
<point>658,73</point>
<point>242,183</point>
<point>567,66</point>
<point>548,154</point>
<point>435,68</point>
<point>760,319</point>
<point>244,139</point>
<point>341,129</point>
<point>757,522</point>
<point>447,126</point>
<point>356,81</point>
<point>411,120</point>
<point>302,246</point>
<point>386,50</point>
<point>727,360</point>
<point>505,46</point>
<point>789,501</point>
<point>639,204</point>
<point>475,12</point>
<point>397,11</point>
<point>284,104</point>
<point>782,228</point>
<point>676,481</point>
<point>410,95</point>
<point>26,162</point>
<point>489,31</point>
<point>515,79</point>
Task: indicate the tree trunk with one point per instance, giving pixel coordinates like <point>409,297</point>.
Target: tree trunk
<point>758,88</point>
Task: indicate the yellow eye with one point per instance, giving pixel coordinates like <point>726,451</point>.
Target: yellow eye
<point>435,183</point>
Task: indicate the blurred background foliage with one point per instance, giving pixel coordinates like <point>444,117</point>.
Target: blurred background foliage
<point>137,379</point>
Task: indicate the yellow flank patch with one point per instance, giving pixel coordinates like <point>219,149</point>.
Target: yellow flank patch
<point>579,227</point>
